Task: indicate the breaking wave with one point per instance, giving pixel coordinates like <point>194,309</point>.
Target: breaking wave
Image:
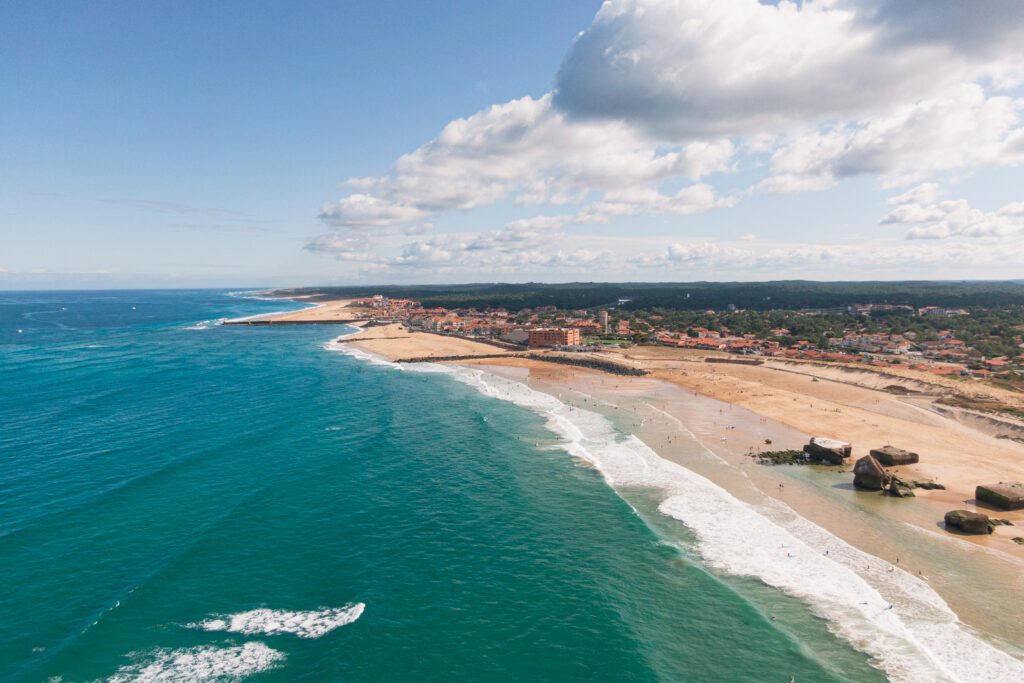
<point>206,324</point>
<point>272,622</point>
<point>204,663</point>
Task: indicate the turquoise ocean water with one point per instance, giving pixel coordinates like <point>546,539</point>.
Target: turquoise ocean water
<point>181,500</point>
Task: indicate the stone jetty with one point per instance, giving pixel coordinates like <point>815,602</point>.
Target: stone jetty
<point>582,362</point>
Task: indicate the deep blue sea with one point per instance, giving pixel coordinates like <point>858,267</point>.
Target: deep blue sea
<point>181,500</point>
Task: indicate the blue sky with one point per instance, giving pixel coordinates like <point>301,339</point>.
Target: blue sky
<point>222,144</point>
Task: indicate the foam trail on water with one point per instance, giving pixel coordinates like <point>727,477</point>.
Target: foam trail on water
<point>206,324</point>
<point>259,316</point>
<point>271,622</point>
<point>891,615</point>
<point>205,663</point>
<point>256,295</point>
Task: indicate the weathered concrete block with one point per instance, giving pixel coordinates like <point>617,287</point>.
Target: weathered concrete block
<point>968,522</point>
<point>868,474</point>
<point>891,456</point>
<point>828,450</point>
<point>1006,495</point>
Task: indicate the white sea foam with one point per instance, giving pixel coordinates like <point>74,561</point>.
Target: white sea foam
<point>272,622</point>
<point>918,638</point>
<point>206,324</point>
<point>356,331</point>
<point>259,316</point>
<point>893,616</point>
<point>204,663</point>
<point>374,359</point>
<point>256,295</point>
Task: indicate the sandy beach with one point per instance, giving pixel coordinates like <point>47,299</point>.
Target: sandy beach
<point>396,341</point>
<point>957,450</point>
<point>331,311</point>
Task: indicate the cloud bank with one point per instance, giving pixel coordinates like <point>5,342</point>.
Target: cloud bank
<point>660,104</point>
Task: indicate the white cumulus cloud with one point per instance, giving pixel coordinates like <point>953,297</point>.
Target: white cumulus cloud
<point>927,218</point>
<point>691,68</point>
<point>659,100</point>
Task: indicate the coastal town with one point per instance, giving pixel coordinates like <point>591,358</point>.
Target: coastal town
<point>858,333</point>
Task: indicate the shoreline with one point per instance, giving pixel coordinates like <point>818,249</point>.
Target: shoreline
<point>956,454</point>
<point>828,585</point>
<point>663,416</point>
<point>903,533</point>
<point>337,312</point>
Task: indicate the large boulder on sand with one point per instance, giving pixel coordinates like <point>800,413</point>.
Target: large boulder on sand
<point>868,474</point>
<point>828,450</point>
<point>890,456</point>
<point>1006,495</point>
<point>968,522</point>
